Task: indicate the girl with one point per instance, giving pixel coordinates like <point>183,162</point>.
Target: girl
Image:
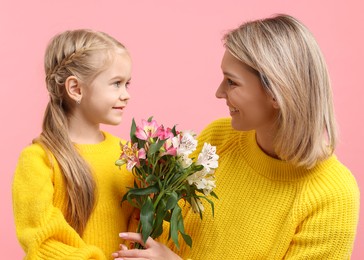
<point>66,187</point>
<point>283,194</point>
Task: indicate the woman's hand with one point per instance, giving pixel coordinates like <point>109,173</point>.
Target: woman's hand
<point>153,249</point>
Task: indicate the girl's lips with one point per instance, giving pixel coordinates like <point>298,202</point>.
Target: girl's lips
<point>121,108</point>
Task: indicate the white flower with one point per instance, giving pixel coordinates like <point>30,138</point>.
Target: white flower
<point>197,205</point>
<point>185,160</point>
<point>203,181</point>
<point>208,157</point>
<point>185,143</point>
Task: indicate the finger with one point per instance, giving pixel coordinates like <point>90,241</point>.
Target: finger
<point>123,247</point>
<point>132,258</point>
<point>133,254</point>
<point>136,237</point>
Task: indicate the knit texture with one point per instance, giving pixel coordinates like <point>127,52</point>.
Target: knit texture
<point>39,202</point>
<point>269,209</point>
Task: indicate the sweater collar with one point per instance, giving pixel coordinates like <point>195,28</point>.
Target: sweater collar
<point>272,168</point>
<point>101,146</point>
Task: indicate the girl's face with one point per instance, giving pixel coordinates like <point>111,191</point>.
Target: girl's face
<point>104,100</point>
<point>249,105</point>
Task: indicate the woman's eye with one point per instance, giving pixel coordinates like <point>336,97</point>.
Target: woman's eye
<point>230,82</point>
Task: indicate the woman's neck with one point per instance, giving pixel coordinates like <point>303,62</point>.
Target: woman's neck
<point>265,140</point>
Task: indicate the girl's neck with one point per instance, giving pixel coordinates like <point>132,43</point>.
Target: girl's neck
<point>83,133</point>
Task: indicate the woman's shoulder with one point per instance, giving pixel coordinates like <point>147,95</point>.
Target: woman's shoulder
<point>332,177</point>
<point>218,127</point>
<point>220,123</point>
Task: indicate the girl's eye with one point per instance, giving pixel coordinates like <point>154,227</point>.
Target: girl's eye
<point>127,84</point>
<point>117,84</point>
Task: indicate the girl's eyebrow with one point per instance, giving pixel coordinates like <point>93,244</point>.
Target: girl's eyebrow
<point>119,78</point>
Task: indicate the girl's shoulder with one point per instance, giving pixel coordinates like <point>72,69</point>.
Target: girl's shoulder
<point>113,138</point>
<point>34,150</point>
<point>34,156</point>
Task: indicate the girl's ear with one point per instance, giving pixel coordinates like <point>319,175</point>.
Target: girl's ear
<point>73,88</point>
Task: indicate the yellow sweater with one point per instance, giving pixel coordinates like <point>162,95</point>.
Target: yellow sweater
<point>39,204</point>
<point>269,209</point>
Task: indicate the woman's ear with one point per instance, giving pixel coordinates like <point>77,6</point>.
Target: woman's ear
<point>73,88</point>
<point>275,103</point>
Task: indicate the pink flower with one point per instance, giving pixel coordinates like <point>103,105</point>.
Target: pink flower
<point>163,133</point>
<point>131,155</point>
<point>170,149</point>
<point>147,130</point>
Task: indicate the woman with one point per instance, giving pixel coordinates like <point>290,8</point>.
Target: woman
<point>283,194</point>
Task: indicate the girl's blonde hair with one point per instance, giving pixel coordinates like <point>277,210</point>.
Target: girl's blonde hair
<point>292,70</point>
<point>84,54</point>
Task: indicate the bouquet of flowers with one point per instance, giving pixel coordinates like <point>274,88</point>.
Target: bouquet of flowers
<point>159,159</point>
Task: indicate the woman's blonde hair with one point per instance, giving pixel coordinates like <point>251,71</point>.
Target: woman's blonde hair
<point>292,70</point>
<point>84,54</point>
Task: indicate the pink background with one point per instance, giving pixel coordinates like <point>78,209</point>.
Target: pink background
<point>176,50</point>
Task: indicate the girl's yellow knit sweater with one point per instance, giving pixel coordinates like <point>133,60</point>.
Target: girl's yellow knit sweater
<point>269,209</point>
<point>39,204</point>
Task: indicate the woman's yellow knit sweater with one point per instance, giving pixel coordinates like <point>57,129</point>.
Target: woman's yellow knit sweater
<point>269,209</point>
<point>39,204</point>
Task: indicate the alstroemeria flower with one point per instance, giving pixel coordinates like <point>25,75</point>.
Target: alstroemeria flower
<point>203,181</point>
<point>147,130</point>
<point>164,134</point>
<point>132,155</point>
<point>185,160</point>
<point>185,143</point>
<point>197,205</point>
<point>169,149</point>
<point>208,157</point>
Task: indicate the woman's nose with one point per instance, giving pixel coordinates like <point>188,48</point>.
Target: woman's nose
<point>220,92</point>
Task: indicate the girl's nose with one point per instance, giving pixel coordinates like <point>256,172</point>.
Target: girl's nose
<point>124,94</point>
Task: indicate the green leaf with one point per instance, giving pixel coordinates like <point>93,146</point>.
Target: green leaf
<point>151,179</point>
<point>172,200</point>
<point>213,194</point>
<point>146,218</point>
<point>153,148</point>
<point>132,132</point>
<point>174,132</point>
<point>130,198</point>
<point>158,223</point>
<point>211,203</point>
<point>187,239</point>
<point>144,191</point>
<point>181,229</point>
<point>176,215</point>
<point>150,119</point>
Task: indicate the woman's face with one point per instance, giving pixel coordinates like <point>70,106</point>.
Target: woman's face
<point>249,105</point>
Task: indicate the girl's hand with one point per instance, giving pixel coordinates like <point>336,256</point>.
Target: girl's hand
<point>153,249</point>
